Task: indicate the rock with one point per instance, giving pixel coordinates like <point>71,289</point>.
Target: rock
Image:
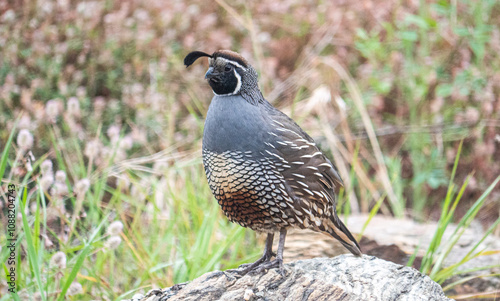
<point>344,278</point>
<point>388,232</point>
<point>396,240</point>
<point>408,235</point>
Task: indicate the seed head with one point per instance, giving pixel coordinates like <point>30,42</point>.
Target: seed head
<point>25,122</point>
<point>126,143</point>
<point>46,181</point>
<point>114,133</point>
<point>99,106</point>
<point>59,189</point>
<point>115,228</point>
<point>61,176</point>
<point>113,242</point>
<point>92,148</point>
<point>82,186</point>
<point>58,260</point>
<point>46,167</point>
<point>9,16</point>
<point>74,289</point>
<point>24,139</point>
<point>73,107</point>
<point>81,92</point>
<point>52,109</point>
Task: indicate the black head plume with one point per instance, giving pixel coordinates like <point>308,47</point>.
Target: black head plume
<point>193,56</point>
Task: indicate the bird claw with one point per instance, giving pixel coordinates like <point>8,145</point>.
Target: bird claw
<point>253,265</point>
<point>277,263</point>
<point>265,263</point>
<point>260,266</point>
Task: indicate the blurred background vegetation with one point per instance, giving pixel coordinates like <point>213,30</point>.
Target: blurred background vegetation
<point>106,123</point>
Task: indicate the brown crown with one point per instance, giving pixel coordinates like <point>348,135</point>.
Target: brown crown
<point>232,56</point>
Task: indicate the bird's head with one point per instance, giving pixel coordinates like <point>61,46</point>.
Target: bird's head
<point>228,72</point>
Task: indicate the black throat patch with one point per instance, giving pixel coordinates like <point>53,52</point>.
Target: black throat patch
<point>224,84</point>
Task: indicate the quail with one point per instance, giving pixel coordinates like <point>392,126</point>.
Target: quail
<point>266,173</point>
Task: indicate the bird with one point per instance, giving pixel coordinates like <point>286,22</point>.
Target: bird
<point>265,172</point>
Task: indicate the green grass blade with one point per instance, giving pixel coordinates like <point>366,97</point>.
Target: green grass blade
<point>5,153</point>
<point>463,280</point>
<point>444,220</point>
<point>455,165</point>
<point>80,259</point>
<point>234,235</point>
<point>440,276</point>
<point>447,249</point>
<point>413,256</point>
<point>446,273</point>
<point>32,254</point>
<point>472,212</point>
<point>476,269</point>
<point>373,212</point>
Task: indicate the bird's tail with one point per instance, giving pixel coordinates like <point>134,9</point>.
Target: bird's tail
<point>338,230</point>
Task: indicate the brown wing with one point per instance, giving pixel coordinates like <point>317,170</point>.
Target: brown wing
<point>311,180</point>
<point>307,161</point>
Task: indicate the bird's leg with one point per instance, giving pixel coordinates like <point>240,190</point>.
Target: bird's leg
<point>268,253</point>
<point>278,262</point>
<point>281,248</point>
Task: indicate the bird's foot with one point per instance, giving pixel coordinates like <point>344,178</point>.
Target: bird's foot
<point>251,266</point>
<point>245,268</point>
<point>277,263</point>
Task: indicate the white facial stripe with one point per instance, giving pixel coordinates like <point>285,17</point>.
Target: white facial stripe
<point>231,62</point>
<point>238,86</point>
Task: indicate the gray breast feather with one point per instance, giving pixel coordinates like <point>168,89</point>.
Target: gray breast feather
<point>234,124</point>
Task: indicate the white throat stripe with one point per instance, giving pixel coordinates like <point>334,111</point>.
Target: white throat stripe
<point>238,86</point>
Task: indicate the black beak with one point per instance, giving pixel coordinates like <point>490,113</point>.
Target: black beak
<point>211,75</point>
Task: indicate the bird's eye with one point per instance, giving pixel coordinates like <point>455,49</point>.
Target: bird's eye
<point>228,68</point>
